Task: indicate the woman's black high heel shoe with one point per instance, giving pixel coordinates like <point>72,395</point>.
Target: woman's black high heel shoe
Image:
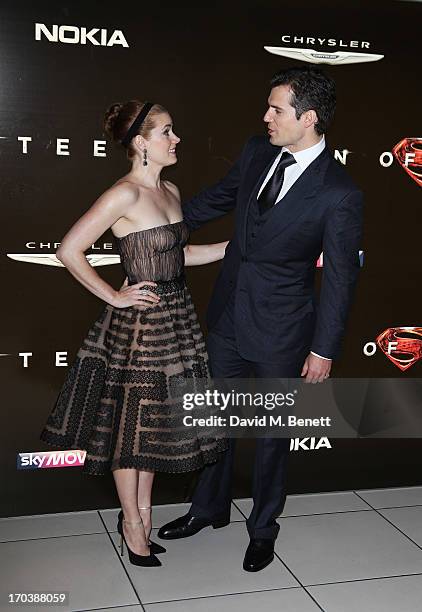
<point>140,560</point>
<point>156,549</point>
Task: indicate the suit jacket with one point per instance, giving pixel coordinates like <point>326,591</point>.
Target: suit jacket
<point>277,314</point>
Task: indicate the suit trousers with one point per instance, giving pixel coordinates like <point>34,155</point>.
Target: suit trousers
<point>212,495</point>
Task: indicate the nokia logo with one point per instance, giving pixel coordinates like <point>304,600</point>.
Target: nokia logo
<point>307,444</point>
<point>308,52</point>
<point>74,35</point>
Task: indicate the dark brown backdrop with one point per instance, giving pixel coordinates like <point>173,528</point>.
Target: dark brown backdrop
<point>207,65</point>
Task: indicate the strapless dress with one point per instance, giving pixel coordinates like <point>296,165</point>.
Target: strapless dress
<point>118,401</point>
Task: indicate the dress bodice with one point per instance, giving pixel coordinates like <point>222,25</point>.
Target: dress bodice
<point>154,254</point>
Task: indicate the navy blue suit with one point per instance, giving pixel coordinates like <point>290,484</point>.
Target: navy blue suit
<point>264,315</point>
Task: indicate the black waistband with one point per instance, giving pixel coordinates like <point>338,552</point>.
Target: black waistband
<point>165,287</point>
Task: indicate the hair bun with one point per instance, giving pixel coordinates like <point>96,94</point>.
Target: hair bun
<point>110,118</point>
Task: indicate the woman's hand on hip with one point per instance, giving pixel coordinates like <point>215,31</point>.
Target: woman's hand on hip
<point>136,295</point>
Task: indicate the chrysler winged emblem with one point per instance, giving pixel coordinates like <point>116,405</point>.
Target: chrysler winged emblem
<point>49,259</point>
<point>324,57</point>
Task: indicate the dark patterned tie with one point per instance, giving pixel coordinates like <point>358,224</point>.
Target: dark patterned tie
<point>271,190</point>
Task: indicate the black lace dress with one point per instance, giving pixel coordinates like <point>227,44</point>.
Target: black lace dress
<point>118,401</point>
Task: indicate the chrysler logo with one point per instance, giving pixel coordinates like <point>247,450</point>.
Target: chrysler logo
<point>324,57</point>
<point>49,259</point>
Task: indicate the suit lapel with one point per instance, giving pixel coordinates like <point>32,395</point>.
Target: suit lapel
<point>297,200</point>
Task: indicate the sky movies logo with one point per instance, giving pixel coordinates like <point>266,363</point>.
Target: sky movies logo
<point>50,459</point>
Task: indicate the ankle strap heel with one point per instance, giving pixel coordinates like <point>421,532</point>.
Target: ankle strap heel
<point>141,560</point>
<point>155,548</point>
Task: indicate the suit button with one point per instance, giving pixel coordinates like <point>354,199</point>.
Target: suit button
<point>253,234</point>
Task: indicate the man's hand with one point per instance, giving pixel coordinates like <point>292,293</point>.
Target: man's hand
<point>316,369</point>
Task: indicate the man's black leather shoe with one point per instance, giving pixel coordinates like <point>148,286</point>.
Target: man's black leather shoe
<point>258,555</point>
<point>188,525</point>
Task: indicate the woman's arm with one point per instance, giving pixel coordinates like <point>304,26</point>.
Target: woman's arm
<point>199,254</point>
<point>111,206</point>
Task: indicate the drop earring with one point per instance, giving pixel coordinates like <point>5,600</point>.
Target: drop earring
<point>145,162</point>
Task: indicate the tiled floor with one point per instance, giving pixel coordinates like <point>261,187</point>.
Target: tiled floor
<point>337,552</point>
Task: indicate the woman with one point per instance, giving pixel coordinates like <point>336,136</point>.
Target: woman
<point>118,402</point>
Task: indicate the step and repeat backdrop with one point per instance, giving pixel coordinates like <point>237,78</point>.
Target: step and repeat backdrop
<point>62,64</point>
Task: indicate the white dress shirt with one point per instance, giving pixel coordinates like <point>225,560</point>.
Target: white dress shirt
<point>292,173</point>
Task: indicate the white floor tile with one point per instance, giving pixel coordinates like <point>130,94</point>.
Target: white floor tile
<point>209,563</point>
<point>313,503</point>
<point>347,546</point>
<point>50,525</point>
<point>408,520</point>
<point>87,566</point>
<point>285,600</point>
<point>324,538</point>
<point>402,594</point>
<point>161,515</point>
<point>392,498</point>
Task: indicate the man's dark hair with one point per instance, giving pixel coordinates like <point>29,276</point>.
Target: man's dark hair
<point>311,89</point>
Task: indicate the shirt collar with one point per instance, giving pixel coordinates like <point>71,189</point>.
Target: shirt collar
<point>306,157</point>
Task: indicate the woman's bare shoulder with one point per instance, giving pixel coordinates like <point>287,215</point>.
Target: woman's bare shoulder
<point>117,200</point>
<point>125,191</point>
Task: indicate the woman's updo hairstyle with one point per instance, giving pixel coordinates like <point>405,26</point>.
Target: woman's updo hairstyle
<point>119,117</point>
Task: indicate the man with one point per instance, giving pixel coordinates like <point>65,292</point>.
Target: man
<point>292,201</point>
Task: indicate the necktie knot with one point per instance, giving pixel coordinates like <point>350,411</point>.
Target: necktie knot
<point>286,159</point>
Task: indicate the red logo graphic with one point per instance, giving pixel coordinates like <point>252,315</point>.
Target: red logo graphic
<point>402,345</point>
<point>408,153</point>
